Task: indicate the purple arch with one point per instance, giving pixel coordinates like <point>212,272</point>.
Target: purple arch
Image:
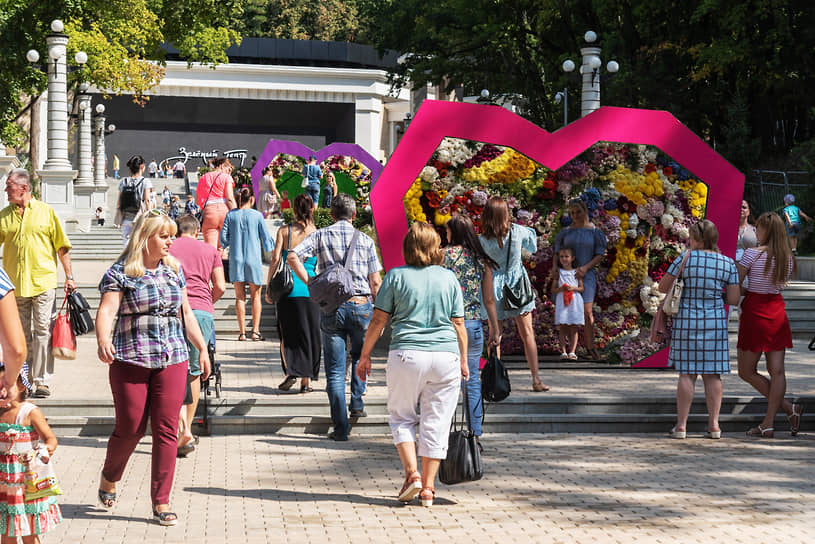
<point>296,148</point>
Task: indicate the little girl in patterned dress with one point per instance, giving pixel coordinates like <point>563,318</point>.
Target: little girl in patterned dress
<point>22,426</point>
<point>568,302</point>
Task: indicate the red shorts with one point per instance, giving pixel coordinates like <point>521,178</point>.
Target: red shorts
<point>763,324</point>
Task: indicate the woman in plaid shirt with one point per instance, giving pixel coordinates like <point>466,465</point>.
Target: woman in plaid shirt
<point>142,294</point>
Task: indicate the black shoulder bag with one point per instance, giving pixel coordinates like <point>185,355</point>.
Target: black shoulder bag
<point>519,295</point>
<point>463,462</point>
<point>495,385</point>
<point>281,282</point>
<point>80,310</point>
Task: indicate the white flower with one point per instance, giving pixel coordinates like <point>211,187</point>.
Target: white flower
<point>681,231</point>
<point>429,174</point>
<point>631,233</point>
<point>667,220</point>
<point>633,220</point>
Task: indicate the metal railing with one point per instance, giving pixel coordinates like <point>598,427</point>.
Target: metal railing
<point>765,191</point>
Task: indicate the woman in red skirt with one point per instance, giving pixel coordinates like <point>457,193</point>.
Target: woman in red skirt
<point>763,324</point>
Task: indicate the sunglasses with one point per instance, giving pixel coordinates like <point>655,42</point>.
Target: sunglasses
<point>155,212</point>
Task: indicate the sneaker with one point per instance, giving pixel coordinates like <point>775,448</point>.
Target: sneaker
<point>336,437</point>
<point>42,392</point>
<point>358,413</point>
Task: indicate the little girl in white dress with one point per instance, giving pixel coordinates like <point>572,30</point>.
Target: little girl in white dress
<point>568,302</point>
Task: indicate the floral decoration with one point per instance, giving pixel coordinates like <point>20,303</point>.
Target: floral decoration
<point>643,201</point>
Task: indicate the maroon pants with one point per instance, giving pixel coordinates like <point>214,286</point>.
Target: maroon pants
<point>139,393</point>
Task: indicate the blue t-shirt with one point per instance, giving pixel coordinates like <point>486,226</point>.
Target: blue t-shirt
<point>422,302</point>
<point>313,173</point>
<point>793,212</point>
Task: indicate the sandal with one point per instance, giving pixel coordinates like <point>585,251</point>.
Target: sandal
<point>306,389</point>
<point>287,383</point>
<point>760,432</point>
<point>680,435</point>
<point>242,337</point>
<point>107,499</point>
<point>427,495</point>
<point>594,355</point>
<point>257,337</point>
<point>795,418</point>
<point>538,386</point>
<point>167,519</point>
<point>411,488</point>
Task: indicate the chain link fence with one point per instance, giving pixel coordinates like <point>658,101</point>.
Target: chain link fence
<point>765,189</point>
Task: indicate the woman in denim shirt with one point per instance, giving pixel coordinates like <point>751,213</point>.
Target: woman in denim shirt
<point>141,337</point>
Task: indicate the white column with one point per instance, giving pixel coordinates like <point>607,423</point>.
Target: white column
<point>99,167</point>
<point>85,147</point>
<point>368,124</point>
<point>590,95</point>
<point>57,104</point>
<point>7,163</point>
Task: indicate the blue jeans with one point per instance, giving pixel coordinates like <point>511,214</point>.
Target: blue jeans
<point>349,322</point>
<point>329,196</point>
<point>313,190</point>
<point>475,345</point>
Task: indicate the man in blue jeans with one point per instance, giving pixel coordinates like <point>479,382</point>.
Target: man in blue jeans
<point>312,174</point>
<point>350,322</point>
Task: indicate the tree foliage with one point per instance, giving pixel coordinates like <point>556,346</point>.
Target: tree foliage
<point>690,58</point>
<point>122,38</point>
<point>328,20</point>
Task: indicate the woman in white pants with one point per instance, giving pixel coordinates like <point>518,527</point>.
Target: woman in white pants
<point>427,357</point>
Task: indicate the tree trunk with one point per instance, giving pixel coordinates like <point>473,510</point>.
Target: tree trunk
<point>34,133</point>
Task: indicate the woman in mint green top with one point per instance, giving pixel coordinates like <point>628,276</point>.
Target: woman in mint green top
<point>427,357</point>
<point>298,318</point>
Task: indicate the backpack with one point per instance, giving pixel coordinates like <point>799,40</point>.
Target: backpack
<point>130,197</point>
<point>334,285</point>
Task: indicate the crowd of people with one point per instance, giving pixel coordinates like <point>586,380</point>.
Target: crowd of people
<point>156,317</point>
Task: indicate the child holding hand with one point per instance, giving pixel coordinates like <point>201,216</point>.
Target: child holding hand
<point>567,288</point>
<point>22,429</point>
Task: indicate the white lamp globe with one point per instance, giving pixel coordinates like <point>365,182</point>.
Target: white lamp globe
<point>57,26</point>
<point>32,56</point>
<point>100,108</point>
<point>595,62</point>
<point>111,127</point>
<point>590,36</point>
<point>81,57</point>
<point>56,52</point>
<point>84,86</point>
<point>83,106</point>
<point>612,66</point>
<point>485,94</point>
<point>568,65</point>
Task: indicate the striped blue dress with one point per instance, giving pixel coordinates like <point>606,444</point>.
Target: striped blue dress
<point>5,283</point>
<point>699,335</point>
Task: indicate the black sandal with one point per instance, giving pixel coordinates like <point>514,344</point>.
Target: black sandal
<point>167,519</point>
<point>241,337</point>
<point>305,389</point>
<point>287,383</point>
<point>257,337</point>
<point>107,499</point>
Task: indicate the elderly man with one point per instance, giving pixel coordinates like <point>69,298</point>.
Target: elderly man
<point>350,321</point>
<point>32,238</point>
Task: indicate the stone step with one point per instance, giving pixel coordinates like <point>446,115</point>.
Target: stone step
<point>309,414</point>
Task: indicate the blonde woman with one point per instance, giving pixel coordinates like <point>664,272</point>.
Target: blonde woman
<point>763,324</point>
<point>140,337</point>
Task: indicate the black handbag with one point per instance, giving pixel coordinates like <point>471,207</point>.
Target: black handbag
<point>520,294</point>
<point>80,310</point>
<point>281,282</point>
<point>463,462</point>
<point>495,385</point>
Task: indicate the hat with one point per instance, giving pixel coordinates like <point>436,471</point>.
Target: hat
<point>23,376</point>
<point>789,199</point>
<point>312,157</point>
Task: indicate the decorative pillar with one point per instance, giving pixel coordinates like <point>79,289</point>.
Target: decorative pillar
<point>85,147</point>
<point>57,174</point>
<point>99,167</point>
<point>368,124</point>
<point>590,94</point>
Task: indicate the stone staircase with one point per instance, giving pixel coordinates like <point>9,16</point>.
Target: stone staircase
<point>99,244</point>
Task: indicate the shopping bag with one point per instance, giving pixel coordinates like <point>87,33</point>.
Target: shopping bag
<point>40,478</point>
<point>63,340</point>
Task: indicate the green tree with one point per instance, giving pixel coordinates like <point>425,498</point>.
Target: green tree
<point>122,38</point>
<point>327,20</point>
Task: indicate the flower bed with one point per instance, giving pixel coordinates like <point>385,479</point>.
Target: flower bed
<point>352,176</point>
<point>643,201</point>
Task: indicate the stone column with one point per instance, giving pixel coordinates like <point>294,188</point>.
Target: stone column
<point>85,147</point>
<point>368,124</point>
<point>57,173</point>
<point>590,95</point>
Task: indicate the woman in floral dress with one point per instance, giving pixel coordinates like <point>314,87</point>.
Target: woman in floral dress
<point>473,268</point>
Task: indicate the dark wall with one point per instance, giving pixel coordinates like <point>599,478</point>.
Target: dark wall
<point>205,124</point>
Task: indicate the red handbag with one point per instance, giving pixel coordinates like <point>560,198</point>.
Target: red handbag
<point>63,340</point>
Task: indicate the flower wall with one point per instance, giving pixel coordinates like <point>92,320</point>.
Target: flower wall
<point>643,202</point>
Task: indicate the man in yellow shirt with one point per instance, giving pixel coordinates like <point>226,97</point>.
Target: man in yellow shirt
<point>33,238</point>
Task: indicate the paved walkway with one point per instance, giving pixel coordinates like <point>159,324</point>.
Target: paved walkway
<point>552,488</point>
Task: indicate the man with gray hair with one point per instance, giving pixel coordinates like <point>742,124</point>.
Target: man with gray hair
<point>33,238</point>
<point>350,321</point>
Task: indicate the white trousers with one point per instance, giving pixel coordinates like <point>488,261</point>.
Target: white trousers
<point>37,315</point>
<point>429,380</point>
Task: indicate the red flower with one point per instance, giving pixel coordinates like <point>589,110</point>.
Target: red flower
<point>548,184</point>
<point>668,171</point>
<point>433,199</point>
<point>650,168</point>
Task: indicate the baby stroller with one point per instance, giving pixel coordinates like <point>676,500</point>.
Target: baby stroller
<point>214,375</point>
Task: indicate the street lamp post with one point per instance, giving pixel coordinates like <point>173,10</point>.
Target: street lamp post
<point>590,70</point>
<point>85,147</point>
<point>101,131</point>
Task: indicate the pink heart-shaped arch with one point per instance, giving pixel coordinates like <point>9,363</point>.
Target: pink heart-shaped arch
<point>495,125</point>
